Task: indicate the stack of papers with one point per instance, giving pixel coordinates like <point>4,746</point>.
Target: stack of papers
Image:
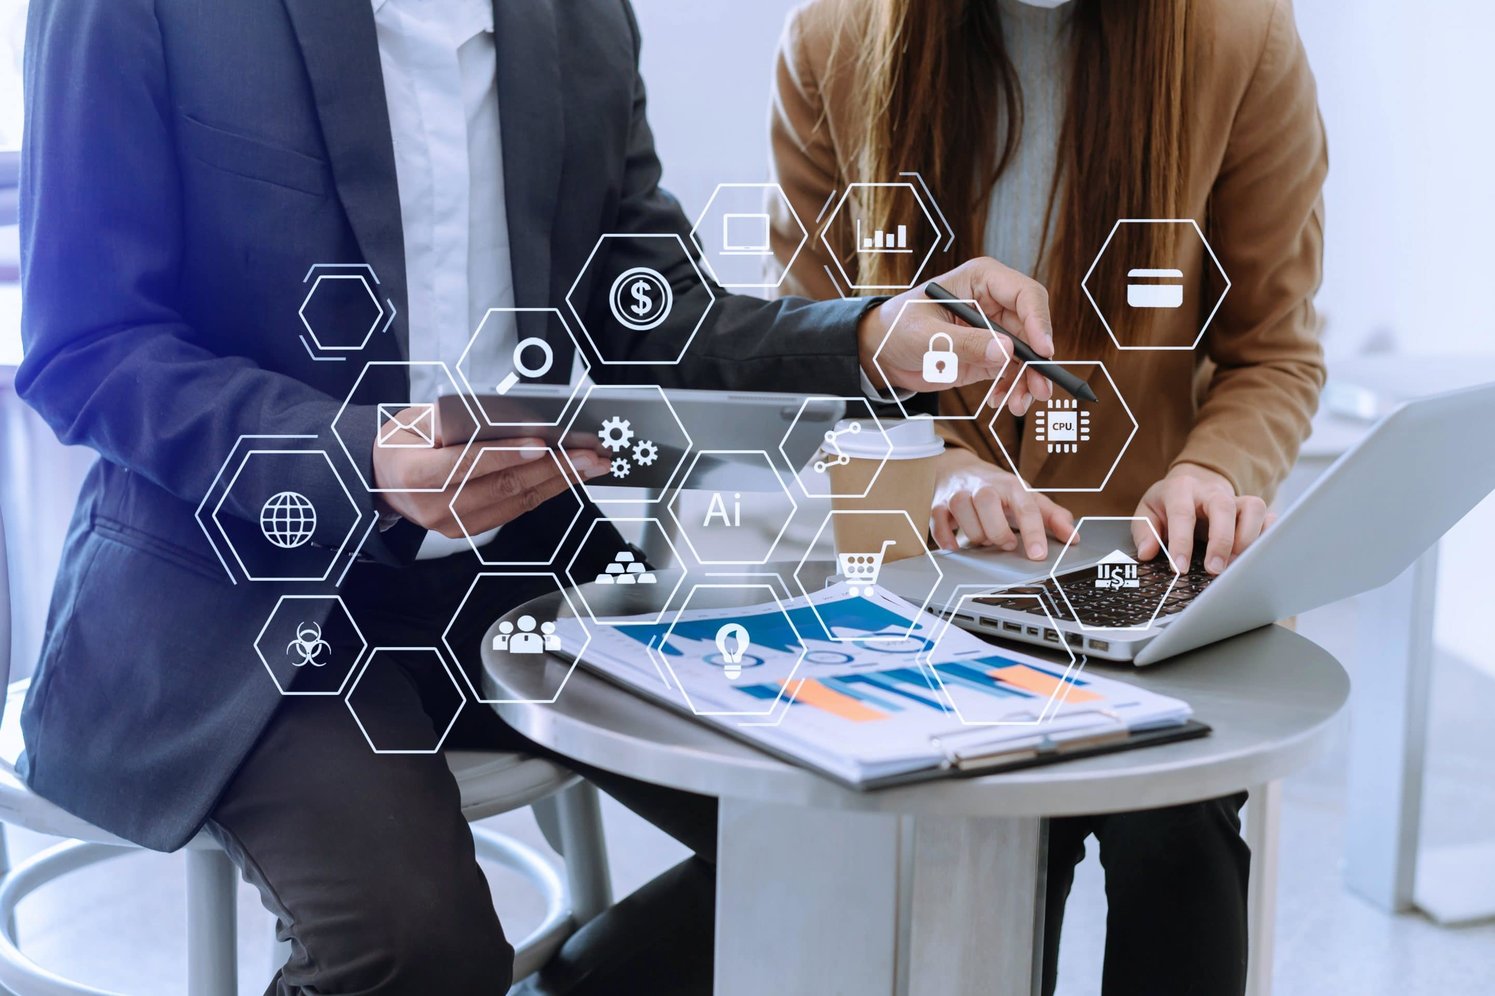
<point>910,697</point>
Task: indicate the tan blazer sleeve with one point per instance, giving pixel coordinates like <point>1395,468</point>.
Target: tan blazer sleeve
<point>805,162</point>
<point>1267,226</point>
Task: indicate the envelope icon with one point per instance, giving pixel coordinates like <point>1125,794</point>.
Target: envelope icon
<point>418,423</point>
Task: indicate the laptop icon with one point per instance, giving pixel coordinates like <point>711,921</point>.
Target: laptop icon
<point>745,235</point>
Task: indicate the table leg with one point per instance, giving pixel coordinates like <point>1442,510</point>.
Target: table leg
<point>1388,734</point>
<point>1262,822</point>
<point>817,902</point>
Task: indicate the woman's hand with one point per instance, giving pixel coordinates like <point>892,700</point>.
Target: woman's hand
<point>990,507</point>
<point>1192,497</point>
<point>1010,299</point>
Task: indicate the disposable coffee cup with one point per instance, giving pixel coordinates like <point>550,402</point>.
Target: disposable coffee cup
<point>872,502</point>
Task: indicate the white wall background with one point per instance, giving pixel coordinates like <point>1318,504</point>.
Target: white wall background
<point>1406,92</point>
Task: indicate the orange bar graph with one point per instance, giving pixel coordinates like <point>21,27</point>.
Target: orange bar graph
<point>1038,683</point>
<point>813,693</point>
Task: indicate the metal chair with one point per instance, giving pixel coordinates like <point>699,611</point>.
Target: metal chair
<point>491,783</point>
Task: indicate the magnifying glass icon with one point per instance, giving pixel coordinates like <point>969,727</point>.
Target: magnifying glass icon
<point>547,359</point>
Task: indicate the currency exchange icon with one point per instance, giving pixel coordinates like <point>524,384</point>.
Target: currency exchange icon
<point>641,298</point>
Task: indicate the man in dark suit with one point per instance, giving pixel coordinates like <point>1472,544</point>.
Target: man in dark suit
<point>185,163</point>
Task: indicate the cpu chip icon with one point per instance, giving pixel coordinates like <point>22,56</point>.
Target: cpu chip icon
<point>1062,425</point>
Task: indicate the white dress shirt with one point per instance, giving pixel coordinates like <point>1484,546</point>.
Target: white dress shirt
<point>439,64</point>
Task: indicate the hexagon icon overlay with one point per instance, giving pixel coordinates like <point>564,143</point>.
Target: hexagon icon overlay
<point>724,522</point>
<point>530,638</point>
<point>918,234</point>
<point>980,690</point>
<point>382,406</point>
<point>732,645</point>
<point>314,641</point>
<point>380,666</point>
<point>513,349</point>
<point>633,314</point>
<point>934,344</point>
<point>1071,432</point>
<point>1117,593</point>
<point>341,310</point>
<point>1157,290</point>
<point>734,234</point>
<point>871,535</point>
<point>625,591</point>
<point>858,435</point>
<point>637,430</point>
<point>487,461</point>
<point>279,546</point>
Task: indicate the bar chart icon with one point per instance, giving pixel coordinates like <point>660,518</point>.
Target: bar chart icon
<point>882,241</point>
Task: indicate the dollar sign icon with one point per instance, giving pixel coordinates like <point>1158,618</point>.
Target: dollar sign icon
<point>641,302</point>
<point>640,298</point>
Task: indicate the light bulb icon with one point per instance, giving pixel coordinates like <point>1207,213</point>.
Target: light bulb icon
<point>728,635</point>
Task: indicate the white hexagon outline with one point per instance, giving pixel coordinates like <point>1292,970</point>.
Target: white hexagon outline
<point>1085,280</point>
<point>991,426</point>
<point>363,643</point>
<point>378,318</point>
<point>587,333</point>
<point>871,482</point>
<point>669,483</point>
<point>586,641</point>
<point>343,408</point>
<point>922,535</point>
<point>472,468</point>
<point>471,393</point>
<point>580,586</point>
<point>898,395</point>
<point>685,533</point>
<point>369,660</point>
<point>961,593</point>
<point>769,185</point>
<point>772,704</point>
<point>1162,552</point>
<point>836,256</point>
<point>228,489</point>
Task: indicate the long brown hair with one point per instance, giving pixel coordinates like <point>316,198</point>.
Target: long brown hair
<point>948,106</point>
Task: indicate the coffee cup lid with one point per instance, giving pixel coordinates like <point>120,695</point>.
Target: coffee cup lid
<point>906,439</point>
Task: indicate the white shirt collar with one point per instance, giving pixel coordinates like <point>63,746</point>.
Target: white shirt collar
<point>471,17</point>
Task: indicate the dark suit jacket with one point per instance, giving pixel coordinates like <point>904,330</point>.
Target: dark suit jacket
<point>185,162</point>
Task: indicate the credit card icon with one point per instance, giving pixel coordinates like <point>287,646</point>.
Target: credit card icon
<point>1154,288</point>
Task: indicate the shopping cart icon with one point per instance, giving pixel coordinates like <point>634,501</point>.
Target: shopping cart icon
<point>860,570</point>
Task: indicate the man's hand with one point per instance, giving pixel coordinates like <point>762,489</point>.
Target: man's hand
<point>1192,497</point>
<point>990,507</point>
<point>504,485</point>
<point>1014,301</point>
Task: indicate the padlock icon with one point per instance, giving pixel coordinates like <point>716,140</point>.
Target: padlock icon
<point>941,366</point>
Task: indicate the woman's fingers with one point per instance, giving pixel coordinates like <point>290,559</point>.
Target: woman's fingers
<point>942,528</point>
<point>963,507</point>
<point>988,502</point>
<point>1024,511</point>
<point>1220,509</point>
<point>1250,521</point>
<point>1059,521</point>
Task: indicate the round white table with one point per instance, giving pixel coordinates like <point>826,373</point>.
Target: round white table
<point>935,887</point>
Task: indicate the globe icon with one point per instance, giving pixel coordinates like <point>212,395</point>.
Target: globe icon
<point>288,519</point>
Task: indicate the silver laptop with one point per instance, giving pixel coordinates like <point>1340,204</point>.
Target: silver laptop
<point>1384,502</point>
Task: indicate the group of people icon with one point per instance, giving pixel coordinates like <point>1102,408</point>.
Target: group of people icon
<point>526,640</point>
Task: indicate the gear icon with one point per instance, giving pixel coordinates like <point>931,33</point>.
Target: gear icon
<point>621,467</point>
<point>645,452</point>
<point>616,433</point>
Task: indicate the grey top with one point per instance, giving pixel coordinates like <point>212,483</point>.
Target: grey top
<point>1269,694</point>
<point>1036,39</point>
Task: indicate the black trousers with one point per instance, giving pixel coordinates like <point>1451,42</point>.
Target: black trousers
<point>368,865</point>
<point>1175,898</point>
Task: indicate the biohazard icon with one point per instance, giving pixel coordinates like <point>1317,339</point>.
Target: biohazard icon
<point>310,645</point>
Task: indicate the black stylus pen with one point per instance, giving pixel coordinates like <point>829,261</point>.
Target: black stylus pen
<point>1072,385</point>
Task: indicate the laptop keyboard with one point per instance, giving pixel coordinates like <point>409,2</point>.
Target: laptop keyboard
<point>1108,607</point>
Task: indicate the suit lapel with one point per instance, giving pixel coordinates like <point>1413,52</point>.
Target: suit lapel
<point>532,123</point>
<point>341,50</point>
